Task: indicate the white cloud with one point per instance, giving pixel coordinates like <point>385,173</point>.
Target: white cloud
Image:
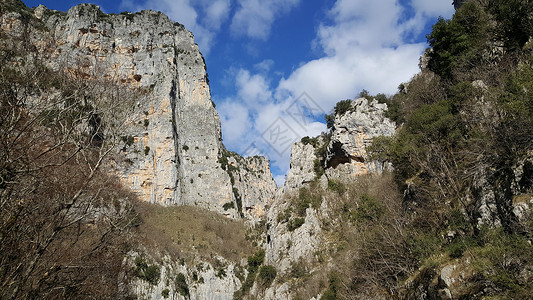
<point>264,66</point>
<point>433,8</point>
<point>334,78</point>
<point>254,117</point>
<point>254,18</point>
<point>252,89</point>
<point>365,47</point>
<point>216,12</point>
<point>236,120</point>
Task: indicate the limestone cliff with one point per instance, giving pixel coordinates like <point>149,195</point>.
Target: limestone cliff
<point>302,165</point>
<point>171,149</point>
<point>299,218</point>
<point>352,133</point>
<point>345,155</point>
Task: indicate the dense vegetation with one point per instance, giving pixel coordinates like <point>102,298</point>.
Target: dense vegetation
<point>466,138</point>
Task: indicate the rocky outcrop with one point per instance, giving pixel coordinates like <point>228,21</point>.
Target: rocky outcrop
<point>346,156</point>
<point>178,280</point>
<point>286,241</point>
<point>172,145</point>
<point>351,134</point>
<point>301,170</point>
<point>492,203</point>
<point>252,184</point>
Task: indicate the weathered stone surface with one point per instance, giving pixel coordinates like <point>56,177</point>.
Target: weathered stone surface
<point>172,143</point>
<point>253,184</point>
<point>302,162</point>
<point>284,246</point>
<point>202,281</point>
<point>352,133</point>
<point>346,155</point>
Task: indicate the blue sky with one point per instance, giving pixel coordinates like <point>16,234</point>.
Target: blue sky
<point>276,66</point>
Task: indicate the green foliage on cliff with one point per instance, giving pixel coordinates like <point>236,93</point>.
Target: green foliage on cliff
<point>150,273</point>
<point>266,275</point>
<point>466,119</point>
<point>181,285</point>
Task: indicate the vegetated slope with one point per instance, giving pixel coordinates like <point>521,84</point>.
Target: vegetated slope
<point>459,224</point>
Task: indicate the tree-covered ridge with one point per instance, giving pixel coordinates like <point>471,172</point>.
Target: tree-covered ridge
<point>466,141</point>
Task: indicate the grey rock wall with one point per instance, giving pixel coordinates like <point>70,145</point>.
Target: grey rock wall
<point>346,156</point>
<point>202,281</point>
<point>174,141</point>
<point>302,166</point>
<point>352,133</point>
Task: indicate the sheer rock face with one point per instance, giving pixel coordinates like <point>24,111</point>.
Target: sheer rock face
<point>302,166</point>
<point>172,144</point>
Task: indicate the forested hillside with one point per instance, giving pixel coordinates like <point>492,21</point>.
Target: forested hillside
<point>463,155</point>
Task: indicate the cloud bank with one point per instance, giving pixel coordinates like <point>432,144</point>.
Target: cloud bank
<point>254,18</point>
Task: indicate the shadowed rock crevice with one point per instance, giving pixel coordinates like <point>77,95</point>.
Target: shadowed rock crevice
<point>338,156</point>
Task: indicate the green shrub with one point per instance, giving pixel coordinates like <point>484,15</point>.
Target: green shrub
<point>334,285</point>
<point>221,273</point>
<point>457,248</point>
<point>266,275</point>
<point>181,285</point>
<point>228,205</point>
<point>330,120</point>
<point>165,293</point>
<point>336,186</point>
<point>246,286</point>
<point>256,260</point>
<point>284,216</point>
<point>310,141</point>
<point>128,140</point>
<point>141,264</point>
<point>307,197</point>
<point>295,223</point>
<point>343,107</point>
<point>185,147</point>
<point>369,209</point>
<point>318,168</point>
<point>146,150</point>
<point>365,94</point>
<point>422,245</point>
<point>382,98</point>
<point>150,273</point>
<point>457,43</point>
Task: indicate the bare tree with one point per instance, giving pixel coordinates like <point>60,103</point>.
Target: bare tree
<point>63,218</point>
